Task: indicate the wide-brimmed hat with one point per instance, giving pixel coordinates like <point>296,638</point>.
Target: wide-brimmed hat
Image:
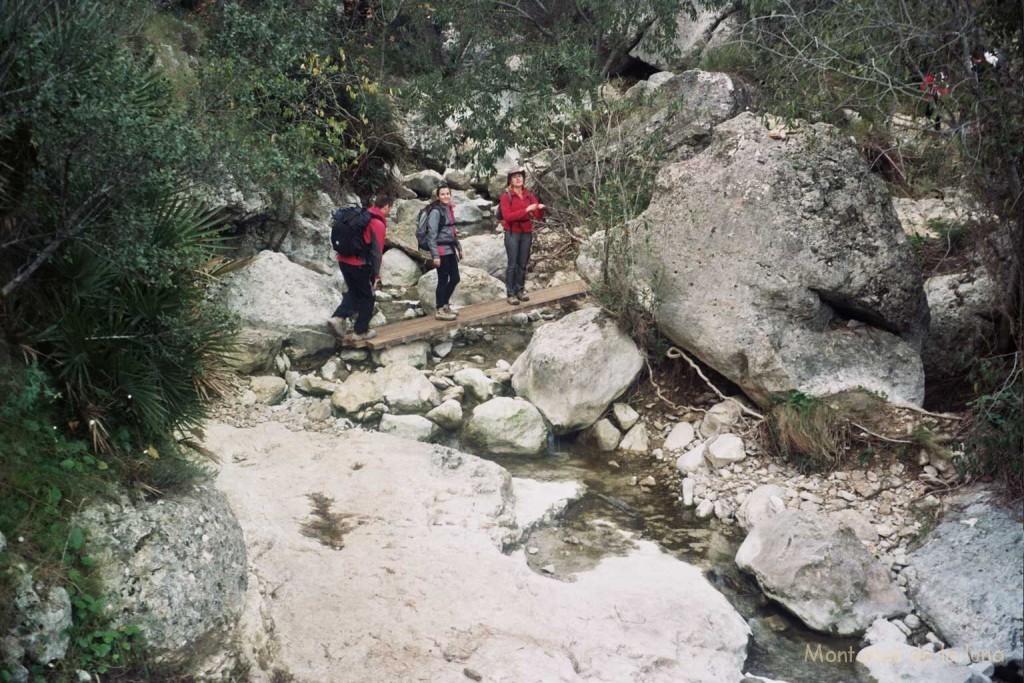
<point>517,169</point>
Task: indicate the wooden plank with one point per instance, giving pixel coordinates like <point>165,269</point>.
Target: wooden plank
<point>422,328</point>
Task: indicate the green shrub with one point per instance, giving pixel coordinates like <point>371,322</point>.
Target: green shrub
<point>994,446</point>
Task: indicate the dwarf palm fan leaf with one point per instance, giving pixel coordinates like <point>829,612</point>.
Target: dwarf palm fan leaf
<point>139,340</point>
<point>184,222</point>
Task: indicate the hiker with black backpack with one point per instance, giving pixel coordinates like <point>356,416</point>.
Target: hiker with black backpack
<point>357,236</point>
<point>519,208</point>
<point>436,233</point>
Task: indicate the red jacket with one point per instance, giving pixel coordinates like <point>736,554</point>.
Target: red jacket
<point>513,211</point>
<point>376,233</point>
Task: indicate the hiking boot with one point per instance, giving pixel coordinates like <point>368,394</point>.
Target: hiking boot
<point>444,314</point>
<point>449,311</point>
<point>522,296</point>
<point>356,337</point>
<point>513,301</point>
<point>338,326</point>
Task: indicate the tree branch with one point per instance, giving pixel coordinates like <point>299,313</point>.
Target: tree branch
<point>526,15</point>
<point>79,219</point>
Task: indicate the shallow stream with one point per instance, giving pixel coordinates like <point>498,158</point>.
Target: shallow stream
<point>592,528</point>
<point>780,645</point>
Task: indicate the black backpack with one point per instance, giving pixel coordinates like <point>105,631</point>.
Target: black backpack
<point>348,226</point>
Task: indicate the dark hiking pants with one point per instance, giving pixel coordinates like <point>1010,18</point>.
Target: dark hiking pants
<point>447,280</point>
<point>517,250</point>
<point>358,297</point>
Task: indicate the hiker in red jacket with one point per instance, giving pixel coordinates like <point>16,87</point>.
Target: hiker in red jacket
<point>360,276</point>
<point>519,209</point>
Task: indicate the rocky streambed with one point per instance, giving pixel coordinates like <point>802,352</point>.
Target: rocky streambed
<point>577,504</point>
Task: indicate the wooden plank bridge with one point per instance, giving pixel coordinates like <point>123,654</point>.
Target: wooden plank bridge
<point>422,328</point>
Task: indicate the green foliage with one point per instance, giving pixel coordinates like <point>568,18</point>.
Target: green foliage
<point>994,446</point>
<point>95,646</point>
<point>43,476</point>
<point>98,219</point>
<point>494,81</point>
<point>43,472</point>
<point>820,61</point>
<point>285,88</point>
<point>952,233</point>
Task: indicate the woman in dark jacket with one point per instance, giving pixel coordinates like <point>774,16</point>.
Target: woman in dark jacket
<point>445,250</point>
<point>519,209</point>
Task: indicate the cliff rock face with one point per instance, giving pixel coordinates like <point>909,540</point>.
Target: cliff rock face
<point>779,261</point>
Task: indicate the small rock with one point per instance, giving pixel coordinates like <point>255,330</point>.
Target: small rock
<point>636,440</point>
<point>625,416</point>
<point>691,461</point>
<point>688,486</point>
<point>811,498</point>
<point>725,450</point>
<point>680,437</point>
<point>548,569</point>
<point>705,509</point>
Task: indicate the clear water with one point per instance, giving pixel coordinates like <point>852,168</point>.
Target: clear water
<point>780,646</point>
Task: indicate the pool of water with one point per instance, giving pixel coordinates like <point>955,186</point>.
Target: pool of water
<point>780,646</point>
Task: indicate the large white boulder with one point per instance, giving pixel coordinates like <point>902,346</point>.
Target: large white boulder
<point>398,270</point>
<point>487,253</point>
<point>575,367</point>
<point>508,426</point>
<point>781,264</point>
<point>406,390</point>
<point>820,571</point>
<point>420,586</point>
<point>278,301</point>
<point>967,580</point>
